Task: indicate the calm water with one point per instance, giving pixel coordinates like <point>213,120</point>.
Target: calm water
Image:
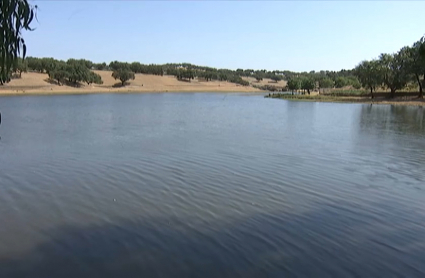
<point>210,185</point>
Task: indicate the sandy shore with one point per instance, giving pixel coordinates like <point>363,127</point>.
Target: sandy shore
<point>38,84</point>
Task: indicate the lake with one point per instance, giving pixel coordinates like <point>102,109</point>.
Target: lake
<point>210,185</point>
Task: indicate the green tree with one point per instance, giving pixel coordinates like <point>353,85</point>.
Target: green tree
<point>276,78</point>
<point>341,82</point>
<point>394,74</point>
<point>115,65</point>
<point>355,83</point>
<point>415,64</point>
<point>15,16</point>
<point>48,64</point>
<point>136,67</point>
<point>237,79</point>
<point>369,74</point>
<point>185,74</point>
<point>223,77</point>
<point>60,73</point>
<point>34,64</point>
<point>294,84</point>
<point>77,72</point>
<point>308,84</point>
<point>101,66</point>
<point>326,83</point>
<point>92,77</point>
<point>21,67</point>
<point>421,43</point>
<point>259,77</point>
<point>123,75</point>
<point>240,72</point>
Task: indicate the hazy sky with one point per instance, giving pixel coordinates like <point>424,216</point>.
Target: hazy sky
<point>299,36</point>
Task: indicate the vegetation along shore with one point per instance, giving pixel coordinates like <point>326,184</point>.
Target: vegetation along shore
<point>396,78</point>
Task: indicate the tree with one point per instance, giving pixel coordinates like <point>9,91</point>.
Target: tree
<point>326,83</point>
<point>60,73</point>
<point>394,74</point>
<point>294,84</point>
<point>15,16</point>
<point>258,77</point>
<point>414,63</point>
<point>21,67</point>
<point>207,75</point>
<point>276,78</point>
<point>355,83</point>
<point>47,64</point>
<point>136,67</point>
<point>369,74</point>
<point>92,77</point>
<point>123,75</point>
<point>185,74</point>
<point>77,72</point>
<point>101,66</point>
<point>422,47</point>
<point>308,84</point>
<point>341,82</point>
<point>223,77</point>
<point>115,65</point>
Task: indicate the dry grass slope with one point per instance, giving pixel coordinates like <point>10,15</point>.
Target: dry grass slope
<point>37,83</point>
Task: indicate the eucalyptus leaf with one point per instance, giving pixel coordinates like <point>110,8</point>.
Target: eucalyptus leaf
<point>15,16</point>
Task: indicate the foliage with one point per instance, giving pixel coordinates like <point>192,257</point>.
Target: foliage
<point>276,78</point>
<point>207,75</point>
<point>370,75</point>
<point>326,83</point>
<point>73,71</point>
<point>15,16</point>
<point>258,77</point>
<point>123,75</point>
<point>414,63</point>
<point>356,84</point>
<point>77,71</point>
<point>185,74</point>
<point>308,84</point>
<point>294,84</point>
<point>341,82</point>
<point>223,77</point>
<point>393,69</point>
<point>22,66</point>
<point>94,78</point>
<point>115,66</point>
<point>100,66</point>
<point>238,80</point>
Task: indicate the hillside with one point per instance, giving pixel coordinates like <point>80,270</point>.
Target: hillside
<point>265,82</point>
<point>38,83</point>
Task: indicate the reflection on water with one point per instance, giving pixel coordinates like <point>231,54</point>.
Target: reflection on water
<point>202,185</point>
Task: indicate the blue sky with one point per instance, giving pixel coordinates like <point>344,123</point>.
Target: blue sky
<point>284,35</point>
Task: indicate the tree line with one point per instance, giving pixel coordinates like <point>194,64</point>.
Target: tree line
<point>74,71</point>
<point>392,72</point>
<point>389,71</point>
<point>395,71</point>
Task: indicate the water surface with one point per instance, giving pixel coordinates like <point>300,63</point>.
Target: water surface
<point>210,185</point>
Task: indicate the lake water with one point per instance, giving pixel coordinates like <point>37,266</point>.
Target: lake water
<point>210,185</point>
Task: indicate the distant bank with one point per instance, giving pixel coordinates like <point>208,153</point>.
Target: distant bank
<point>39,84</point>
<point>408,99</point>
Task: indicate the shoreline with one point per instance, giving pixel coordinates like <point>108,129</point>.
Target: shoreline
<point>353,100</point>
<point>6,93</point>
